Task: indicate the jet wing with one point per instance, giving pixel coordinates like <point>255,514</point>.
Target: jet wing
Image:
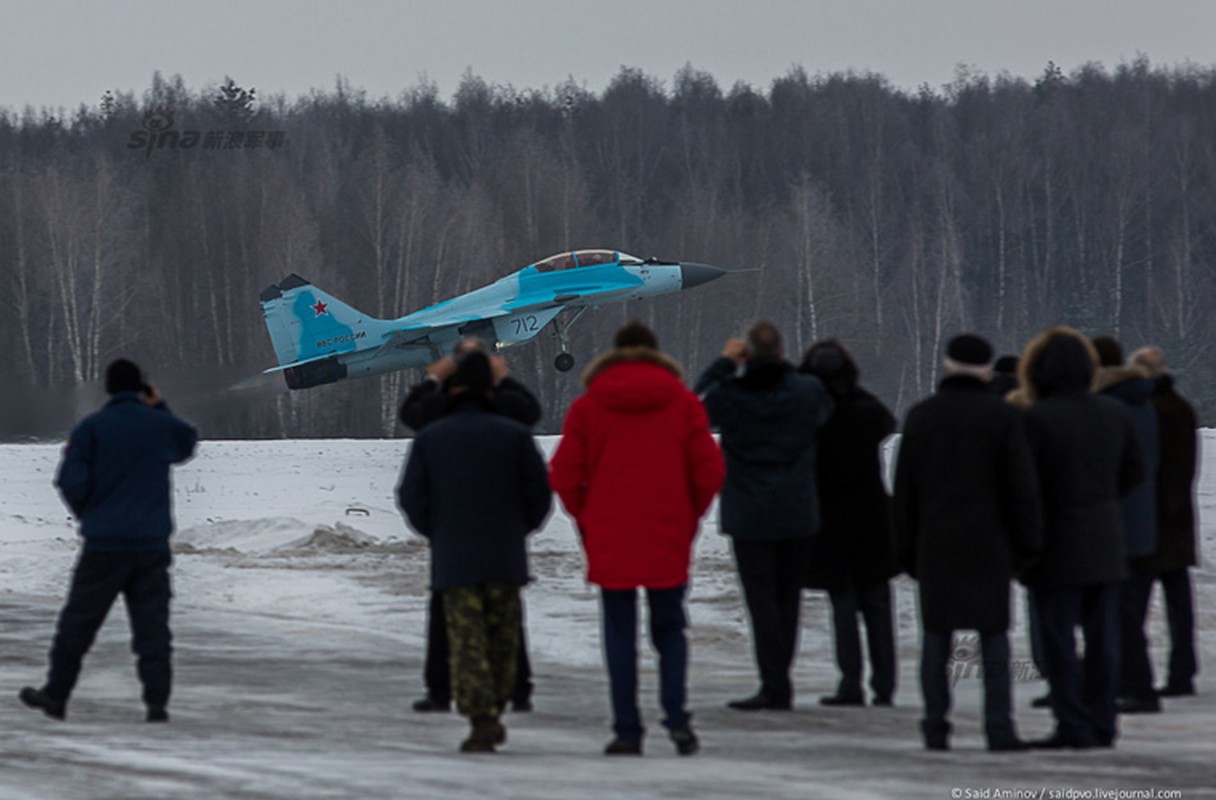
<point>299,363</point>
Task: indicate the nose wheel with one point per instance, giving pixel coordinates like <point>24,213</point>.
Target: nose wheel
<point>564,362</point>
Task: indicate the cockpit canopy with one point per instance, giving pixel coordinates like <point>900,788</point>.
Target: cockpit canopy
<point>584,258</point>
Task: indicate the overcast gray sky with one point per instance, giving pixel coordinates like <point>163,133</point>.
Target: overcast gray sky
<point>64,52</point>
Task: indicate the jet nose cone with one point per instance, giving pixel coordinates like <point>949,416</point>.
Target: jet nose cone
<point>696,274</point>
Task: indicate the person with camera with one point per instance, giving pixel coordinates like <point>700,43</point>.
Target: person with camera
<point>115,479</point>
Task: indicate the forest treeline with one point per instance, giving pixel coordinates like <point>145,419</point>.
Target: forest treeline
<point>886,218</point>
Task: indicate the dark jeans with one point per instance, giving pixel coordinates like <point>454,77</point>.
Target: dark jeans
<point>143,581</point>
<point>935,682</point>
<point>1082,691</point>
<point>772,573</point>
<point>436,670</point>
<point>1180,616</point>
<point>1135,669</point>
<point>667,624</point>
<point>873,602</point>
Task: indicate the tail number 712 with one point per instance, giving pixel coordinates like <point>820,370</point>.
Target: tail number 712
<point>526,324</point>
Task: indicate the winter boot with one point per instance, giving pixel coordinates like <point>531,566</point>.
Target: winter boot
<point>624,747</point>
<point>38,698</point>
<point>685,741</point>
<point>486,732</point>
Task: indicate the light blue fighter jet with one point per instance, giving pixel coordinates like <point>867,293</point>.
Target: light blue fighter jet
<point>319,339</point>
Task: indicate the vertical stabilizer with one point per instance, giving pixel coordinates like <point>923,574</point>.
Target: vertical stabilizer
<point>306,323</point>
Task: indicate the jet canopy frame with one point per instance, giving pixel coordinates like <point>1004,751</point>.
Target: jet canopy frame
<point>574,259</point>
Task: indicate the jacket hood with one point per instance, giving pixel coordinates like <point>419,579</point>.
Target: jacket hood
<point>1058,360</point>
<point>634,379</point>
<point>831,362</point>
<point>1131,384</point>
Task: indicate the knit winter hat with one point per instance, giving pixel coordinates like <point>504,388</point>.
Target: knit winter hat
<point>970,350</point>
<point>123,376</point>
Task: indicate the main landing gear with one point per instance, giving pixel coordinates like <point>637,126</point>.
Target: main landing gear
<point>564,361</point>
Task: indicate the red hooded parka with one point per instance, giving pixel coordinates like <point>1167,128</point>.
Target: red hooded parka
<point>636,468</point>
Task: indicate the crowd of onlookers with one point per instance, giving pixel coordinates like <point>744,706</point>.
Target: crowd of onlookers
<point>1065,468</point>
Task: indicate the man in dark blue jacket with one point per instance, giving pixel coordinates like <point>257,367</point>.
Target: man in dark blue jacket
<point>427,402</point>
<point>475,486</point>
<point>115,479</point>
<point>768,416</point>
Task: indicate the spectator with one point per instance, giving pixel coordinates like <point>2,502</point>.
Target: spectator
<point>427,402</point>
<point>115,478</point>
<point>853,557</point>
<point>967,520</point>
<point>1131,386</point>
<point>1176,424</point>
<point>1087,456</point>
<point>637,468</point>
<point>769,418</point>
<point>475,487</point>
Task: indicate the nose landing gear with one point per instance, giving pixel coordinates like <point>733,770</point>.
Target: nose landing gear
<point>564,361</point>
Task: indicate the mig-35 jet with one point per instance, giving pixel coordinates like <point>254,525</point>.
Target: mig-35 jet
<point>319,339</point>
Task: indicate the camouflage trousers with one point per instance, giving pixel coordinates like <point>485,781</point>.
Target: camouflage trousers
<point>483,634</point>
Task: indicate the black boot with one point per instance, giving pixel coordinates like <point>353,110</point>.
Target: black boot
<point>432,703</point>
<point>38,698</point>
<point>624,747</point>
<point>759,702</point>
<point>685,741</point>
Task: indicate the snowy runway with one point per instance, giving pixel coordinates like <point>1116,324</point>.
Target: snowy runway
<point>298,629</point>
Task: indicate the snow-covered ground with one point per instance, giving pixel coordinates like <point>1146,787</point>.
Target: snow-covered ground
<point>299,618</point>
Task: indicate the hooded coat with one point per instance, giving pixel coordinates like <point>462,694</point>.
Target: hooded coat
<point>1132,387</point>
<point>1088,456</point>
<point>636,468</point>
<point>854,543</point>
<point>966,505</point>
<point>769,419</point>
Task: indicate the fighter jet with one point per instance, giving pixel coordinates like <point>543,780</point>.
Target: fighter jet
<point>319,339</point>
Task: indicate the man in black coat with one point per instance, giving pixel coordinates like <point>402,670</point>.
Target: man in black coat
<point>427,402</point>
<point>967,520</point>
<point>475,486</point>
<point>115,478</point>
<point>853,554</point>
<point>1087,455</point>
<point>1175,518</point>
<point>768,417</point>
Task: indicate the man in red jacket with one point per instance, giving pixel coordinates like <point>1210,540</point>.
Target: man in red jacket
<point>637,468</point>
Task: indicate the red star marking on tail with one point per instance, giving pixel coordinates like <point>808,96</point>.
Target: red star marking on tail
<point>321,308</point>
